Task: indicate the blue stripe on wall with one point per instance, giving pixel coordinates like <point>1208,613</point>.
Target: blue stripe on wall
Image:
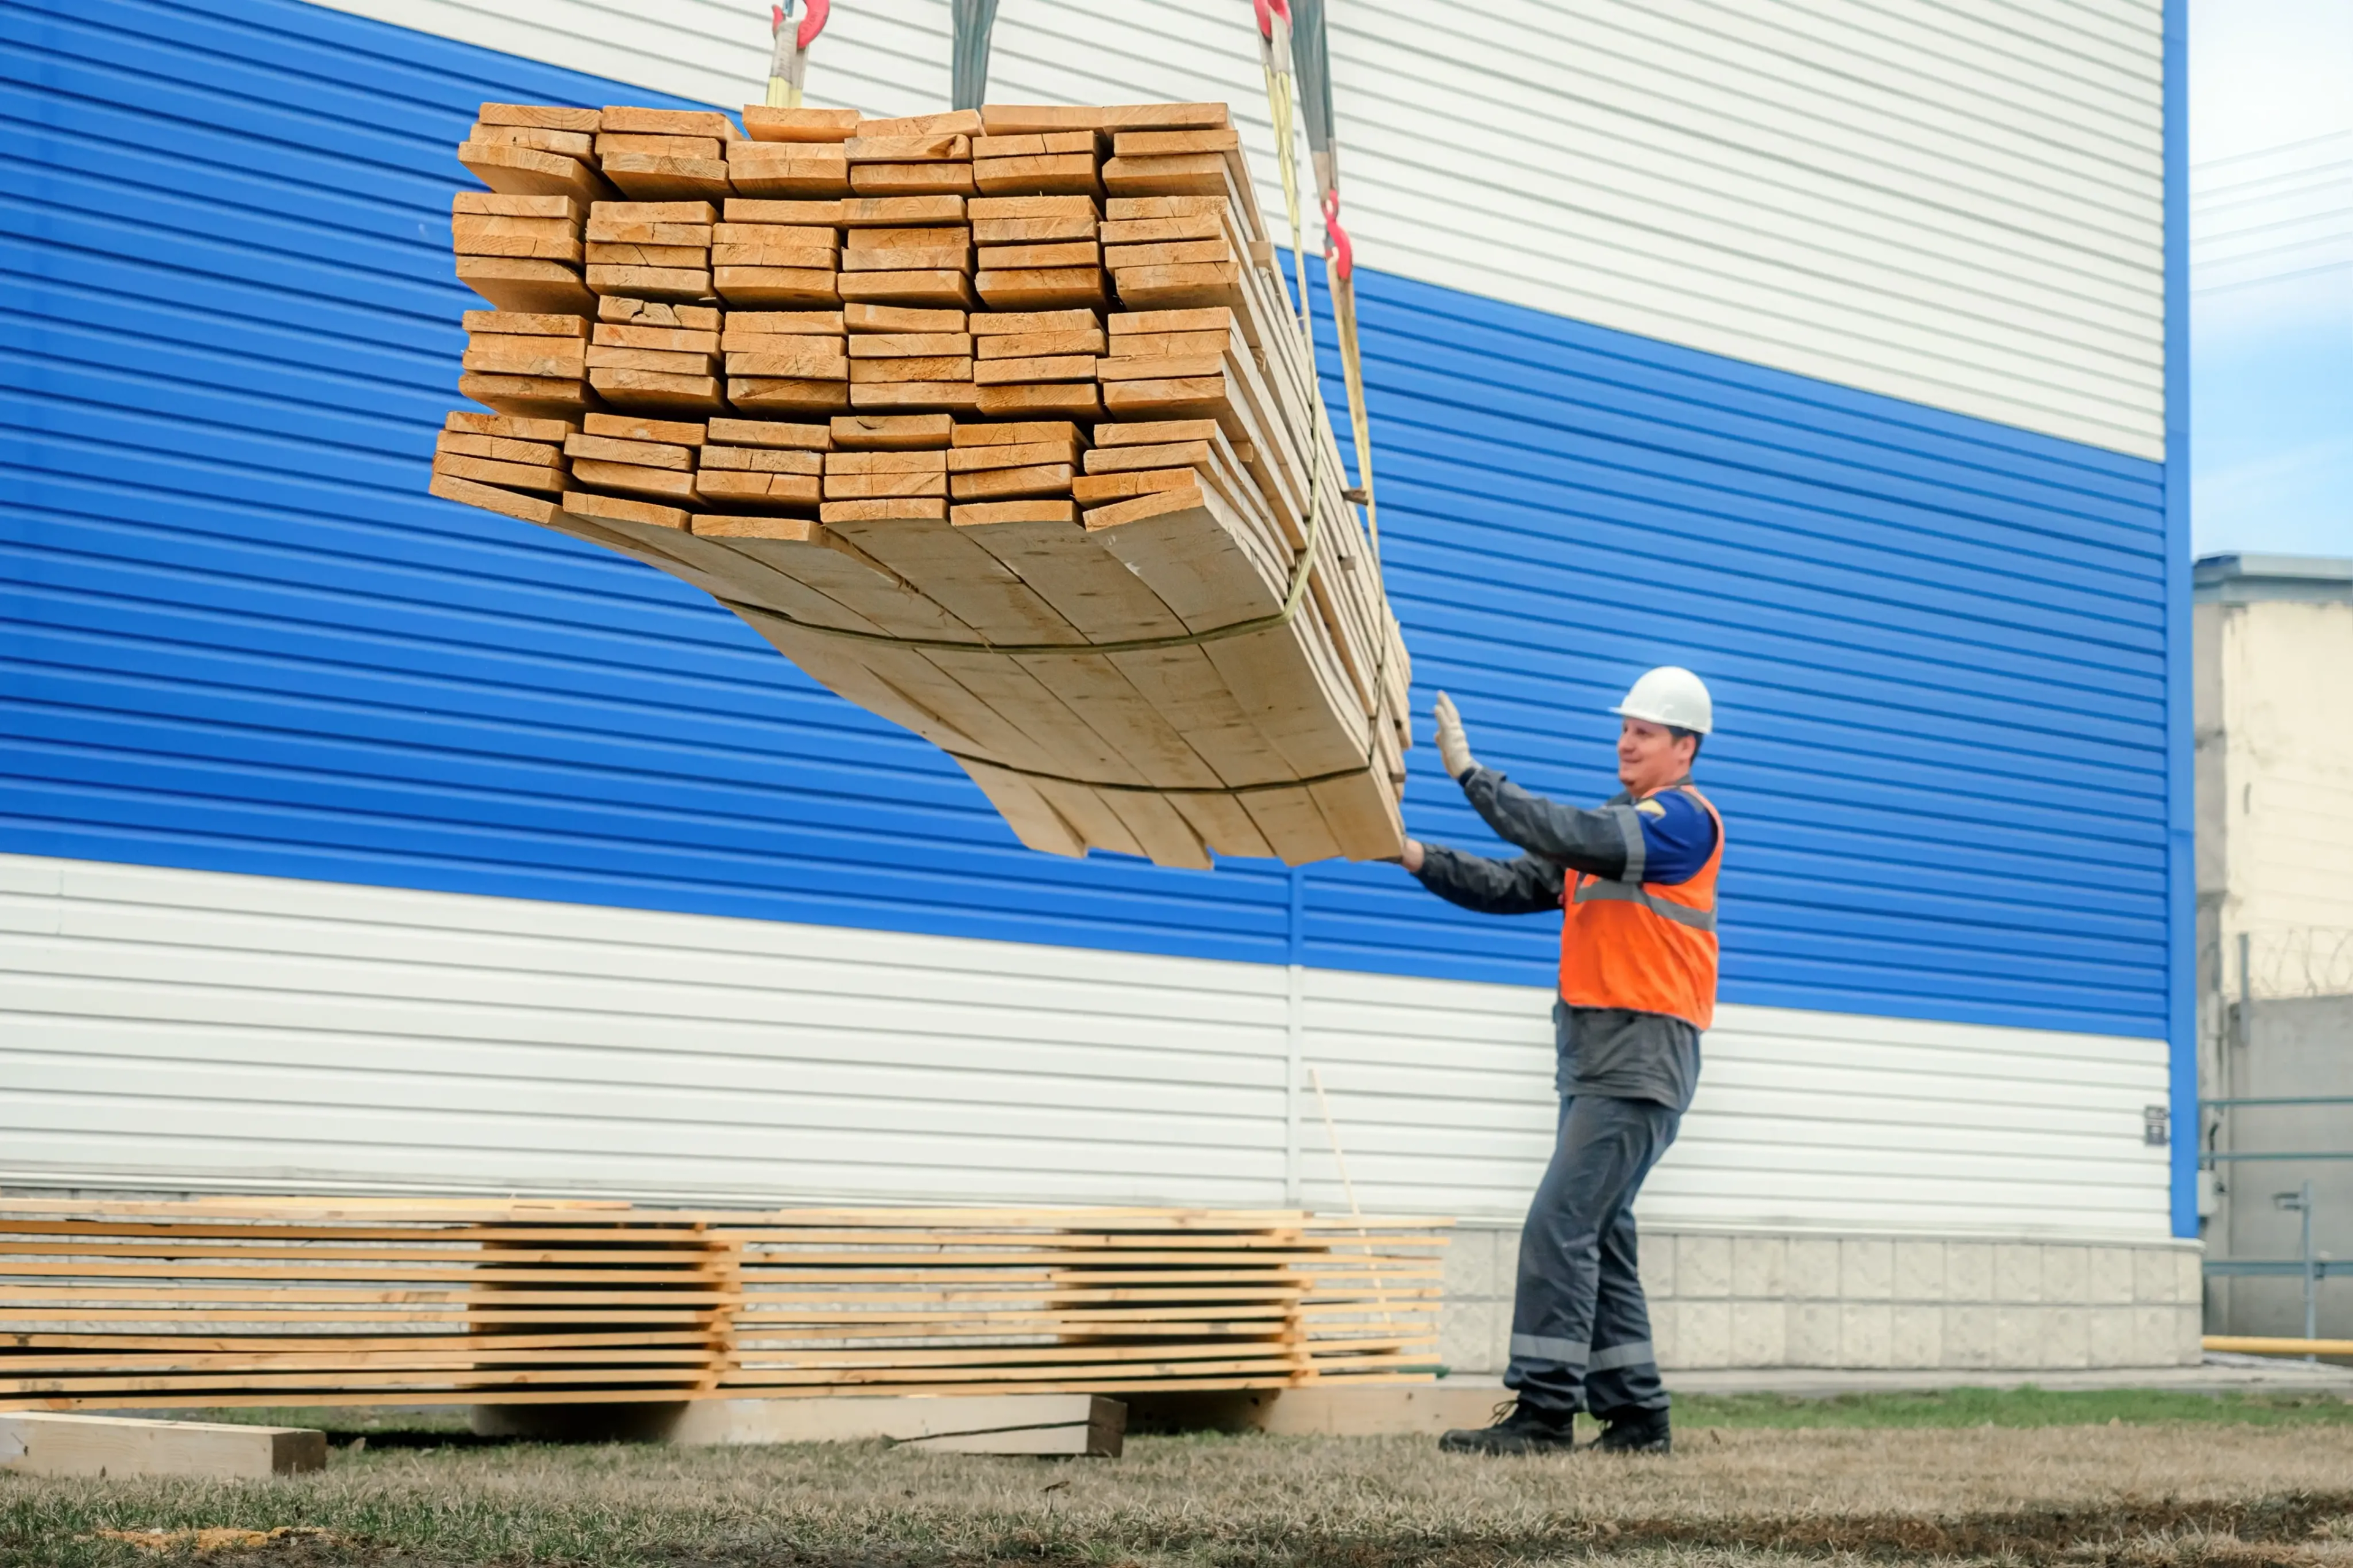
<point>240,636</point>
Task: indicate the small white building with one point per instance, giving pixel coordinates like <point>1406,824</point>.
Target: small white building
<point>2273,646</point>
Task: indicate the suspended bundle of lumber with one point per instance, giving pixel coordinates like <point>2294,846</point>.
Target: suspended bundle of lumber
<point>336,1300</point>
<point>998,423</point>
<point>1024,1300</point>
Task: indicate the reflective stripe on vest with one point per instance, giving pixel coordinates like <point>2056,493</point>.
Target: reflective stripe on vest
<point>1626,892</point>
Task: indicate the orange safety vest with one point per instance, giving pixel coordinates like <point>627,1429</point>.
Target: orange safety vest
<point>1647,947</point>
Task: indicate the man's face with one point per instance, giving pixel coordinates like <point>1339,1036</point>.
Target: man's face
<point>1651,756</point>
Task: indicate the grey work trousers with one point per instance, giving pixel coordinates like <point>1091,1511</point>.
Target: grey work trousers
<point>1580,1330</point>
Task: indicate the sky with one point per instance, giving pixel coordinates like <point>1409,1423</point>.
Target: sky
<point>2270,276</point>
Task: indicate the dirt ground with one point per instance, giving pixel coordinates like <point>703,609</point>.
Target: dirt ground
<point>2147,1494</point>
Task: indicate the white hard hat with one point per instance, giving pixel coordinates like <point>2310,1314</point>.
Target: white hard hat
<point>1670,695</point>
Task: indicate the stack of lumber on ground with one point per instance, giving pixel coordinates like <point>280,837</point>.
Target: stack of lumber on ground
<point>340,1301</point>
<point>1029,379</point>
<point>1024,1300</point>
<point>295,1302</point>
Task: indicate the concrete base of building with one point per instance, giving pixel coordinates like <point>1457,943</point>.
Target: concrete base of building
<point>1727,1297</point>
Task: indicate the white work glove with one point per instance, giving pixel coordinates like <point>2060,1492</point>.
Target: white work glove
<point>1454,748</point>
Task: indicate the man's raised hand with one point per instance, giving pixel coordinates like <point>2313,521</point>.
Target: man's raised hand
<point>1453,747</point>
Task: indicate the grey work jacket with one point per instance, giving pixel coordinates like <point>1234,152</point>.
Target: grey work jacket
<point>1598,1050</point>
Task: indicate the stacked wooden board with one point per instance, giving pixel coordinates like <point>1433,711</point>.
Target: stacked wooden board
<point>998,423</point>
<point>1107,1302</point>
<point>343,1301</point>
<point>333,1300</point>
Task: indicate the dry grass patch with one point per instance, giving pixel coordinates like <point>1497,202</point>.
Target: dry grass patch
<point>2153,1496</point>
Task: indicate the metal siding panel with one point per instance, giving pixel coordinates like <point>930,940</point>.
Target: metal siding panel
<point>1959,205</point>
<point>201,1028</point>
<point>1980,740</point>
<point>243,638</point>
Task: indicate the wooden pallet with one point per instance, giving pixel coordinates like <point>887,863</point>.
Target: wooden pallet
<point>955,276</point>
<point>274,1301</point>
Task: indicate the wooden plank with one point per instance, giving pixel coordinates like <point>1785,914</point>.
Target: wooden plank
<point>527,284</point>
<point>965,459</point>
<point>564,358</point>
<point>1019,119</point>
<point>1072,399</point>
<point>1028,345</point>
<point>629,253</point>
<point>1041,288</point>
<point>758,491</point>
<point>1013,323</point>
<point>1169,143</point>
<point>934,289</point>
<point>492,204</point>
<point>1007,484</point>
<point>900,211</point>
<point>868,148</point>
<point>755,394</point>
<point>668,123</point>
<point>1054,173</point>
<point>743,325</point>
<point>793,170</point>
<point>823,214</point>
<point>758,459</point>
<point>497,449</point>
<point>770,433</point>
<point>551,116</point>
<point>489,471</point>
<point>630,335</point>
<point>809,357</point>
<point>764,122</point>
<point>526,172</point>
<point>891,432</point>
<point>910,396</point>
<point>532,396</point>
<point>911,179</point>
<point>658,390</point>
<point>1037,144</point>
<point>910,345</point>
<point>930,368</point>
<point>1034,230</point>
<point>946,122</point>
<point>1188,173</point>
<point>570,143</point>
<point>678,283</point>
<point>1063,253</point>
<point>610,142</point>
<point>664,359</point>
<point>1121,259</point>
<point>1042,1425</point>
<point>764,287</point>
<point>657,313</point>
<point>1043,368</point>
<point>956,257</point>
<point>47,1444</point>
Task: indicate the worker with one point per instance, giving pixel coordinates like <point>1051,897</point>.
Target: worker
<point>1635,883</point>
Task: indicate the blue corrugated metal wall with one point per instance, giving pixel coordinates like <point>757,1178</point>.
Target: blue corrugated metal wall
<point>239,635</point>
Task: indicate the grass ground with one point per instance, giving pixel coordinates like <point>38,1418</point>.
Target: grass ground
<point>2144,1479</point>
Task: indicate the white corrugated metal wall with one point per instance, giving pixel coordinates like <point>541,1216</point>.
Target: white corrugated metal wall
<point>1748,182</point>
<point>299,1033</point>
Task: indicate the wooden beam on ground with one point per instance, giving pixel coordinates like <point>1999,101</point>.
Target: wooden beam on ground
<point>39,1443</point>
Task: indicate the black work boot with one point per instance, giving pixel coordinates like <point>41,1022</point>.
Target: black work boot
<point>1528,1429</point>
<point>1636,1432</point>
